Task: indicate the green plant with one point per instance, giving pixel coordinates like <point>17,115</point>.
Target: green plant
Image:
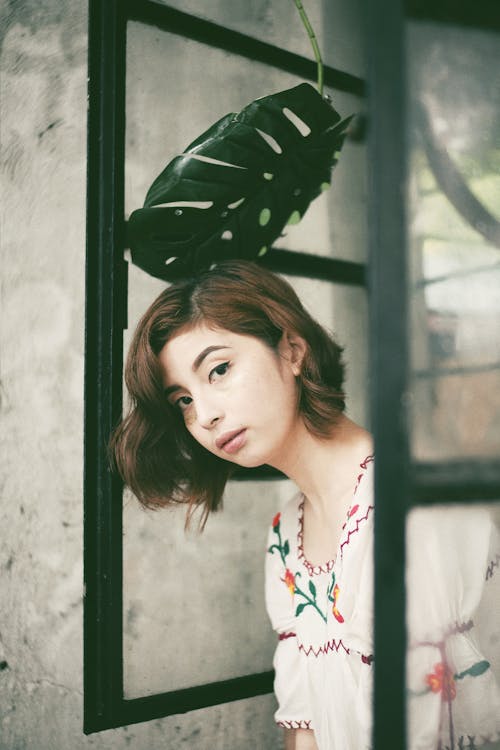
<point>234,189</point>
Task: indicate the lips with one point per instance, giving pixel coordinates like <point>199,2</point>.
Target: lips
<point>232,441</point>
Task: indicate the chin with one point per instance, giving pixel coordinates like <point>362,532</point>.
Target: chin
<point>247,462</point>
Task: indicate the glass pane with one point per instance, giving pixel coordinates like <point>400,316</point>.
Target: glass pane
<point>193,602</point>
<point>194,605</point>
<point>336,25</point>
<point>453,623</point>
<point>168,107</point>
<point>454,235</point>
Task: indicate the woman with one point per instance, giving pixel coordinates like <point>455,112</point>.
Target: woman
<point>228,369</point>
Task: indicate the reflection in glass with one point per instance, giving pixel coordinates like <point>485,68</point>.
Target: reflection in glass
<point>454,207</point>
<point>453,623</point>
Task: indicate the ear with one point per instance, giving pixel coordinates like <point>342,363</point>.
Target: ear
<point>293,348</point>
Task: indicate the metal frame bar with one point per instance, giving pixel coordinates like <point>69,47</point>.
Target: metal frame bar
<point>105,319</point>
<point>188,699</point>
<point>400,483</point>
<point>483,14</point>
<point>208,32</point>
<point>473,480</point>
<point>444,372</point>
<point>323,268</point>
<point>389,358</point>
<point>106,306</point>
<point>294,263</point>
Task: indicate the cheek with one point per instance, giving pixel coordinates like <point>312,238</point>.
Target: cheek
<point>189,418</point>
<point>195,431</point>
<point>281,388</point>
<point>199,434</point>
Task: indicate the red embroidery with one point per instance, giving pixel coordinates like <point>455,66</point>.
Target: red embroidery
<point>355,529</point>
<point>454,629</point>
<point>364,465</point>
<point>332,645</point>
<point>442,681</point>
<point>314,570</point>
<point>335,610</point>
<point>459,627</point>
<point>276,521</point>
<point>336,646</point>
<point>284,636</point>
<point>300,724</point>
<point>283,548</point>
<point>289,580</point>
<point>368,460</point>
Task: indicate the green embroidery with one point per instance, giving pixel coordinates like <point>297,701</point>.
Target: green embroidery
<point>290,580</point>
<point>477,669</point>
<point>331,586</point>
<point>437,682</point>
<point>310,600</point>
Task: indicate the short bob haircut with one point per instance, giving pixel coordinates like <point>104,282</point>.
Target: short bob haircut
<point>151,448</point>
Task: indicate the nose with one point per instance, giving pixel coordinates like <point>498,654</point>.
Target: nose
<point>208,413</point>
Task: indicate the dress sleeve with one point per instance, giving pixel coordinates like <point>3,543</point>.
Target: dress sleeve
<point>290,685</point>
<point>453,628</point>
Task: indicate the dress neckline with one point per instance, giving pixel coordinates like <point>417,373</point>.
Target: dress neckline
<point>327,566</point>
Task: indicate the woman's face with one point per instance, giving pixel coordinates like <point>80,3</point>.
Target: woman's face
<point>237,396</point>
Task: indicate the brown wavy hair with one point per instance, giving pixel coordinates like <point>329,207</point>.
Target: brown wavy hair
<point>151,448</point>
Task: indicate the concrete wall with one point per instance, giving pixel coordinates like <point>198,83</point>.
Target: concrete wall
<point>43,159</point>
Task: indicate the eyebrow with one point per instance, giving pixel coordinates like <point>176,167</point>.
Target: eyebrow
<point>202,355</point>
<point>196,365</point>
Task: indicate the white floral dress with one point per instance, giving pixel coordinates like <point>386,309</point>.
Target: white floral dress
<point>324,619</point>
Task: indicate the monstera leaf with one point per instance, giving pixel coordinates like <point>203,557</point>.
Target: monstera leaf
<point>234,188</point>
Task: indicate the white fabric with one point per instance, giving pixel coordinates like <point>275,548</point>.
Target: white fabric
<point>322,665</point>
<point>453,614</point>
<point>323,668</point>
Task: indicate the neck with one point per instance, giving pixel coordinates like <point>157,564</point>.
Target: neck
<point>324,469</point>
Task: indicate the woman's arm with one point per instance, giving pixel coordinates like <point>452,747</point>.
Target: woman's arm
<point>300,739</point>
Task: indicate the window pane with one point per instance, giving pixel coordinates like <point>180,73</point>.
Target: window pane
<point>336,25</point>
<point>194,605</point>
<point>453,623</point>
<point>194,608</point>
<point>454,214</point>
<point>177,88</point>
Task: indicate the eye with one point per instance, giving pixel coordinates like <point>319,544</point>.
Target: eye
<point>183,402</point>
<point>218,371</point>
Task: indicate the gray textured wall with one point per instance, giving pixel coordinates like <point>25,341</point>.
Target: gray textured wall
<point>43,152</point>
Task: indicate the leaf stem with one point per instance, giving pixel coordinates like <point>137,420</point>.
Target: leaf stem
<point>279,546</point>
<point>314,42</point>
<point>310,601</point>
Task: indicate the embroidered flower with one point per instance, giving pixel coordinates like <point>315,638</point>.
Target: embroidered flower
<point>335,611</point>
<point>442,681</point>
<point>290,581</point>
<point>333,594</point>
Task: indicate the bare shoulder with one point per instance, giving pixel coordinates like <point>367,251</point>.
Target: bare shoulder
<point>363,443</point>
<point>356,443</point>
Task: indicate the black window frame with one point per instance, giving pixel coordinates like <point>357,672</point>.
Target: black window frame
<point>106,317</point>
<point>399,483</point>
